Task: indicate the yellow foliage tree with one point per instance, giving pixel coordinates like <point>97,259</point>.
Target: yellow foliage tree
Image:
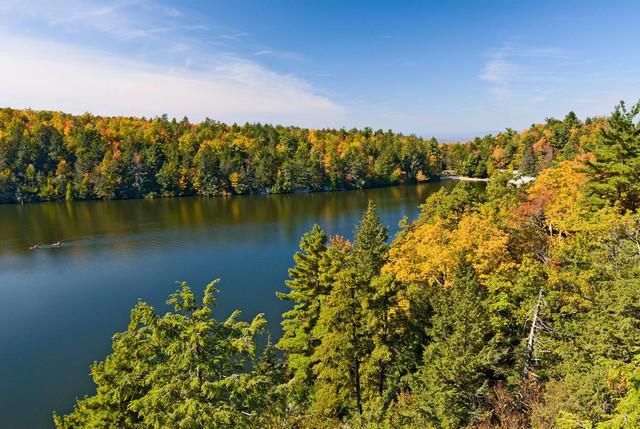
<point>429,253</point>
<point>559,191</point>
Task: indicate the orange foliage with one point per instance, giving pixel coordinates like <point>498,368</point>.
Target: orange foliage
<point>558,193</point>
<point>498,156</point>
<point>543,149</point>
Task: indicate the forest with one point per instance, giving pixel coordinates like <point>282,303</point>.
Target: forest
<point>53,156</point>
<point>518,307</point>
<point>48,156</point>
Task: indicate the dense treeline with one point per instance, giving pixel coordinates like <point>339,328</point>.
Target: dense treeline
<point>48,156</point>
<point>529,151</point>
<point>52,156</point>
<point>518,307</point>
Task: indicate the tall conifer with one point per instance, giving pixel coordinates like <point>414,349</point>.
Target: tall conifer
<point>305,291</point>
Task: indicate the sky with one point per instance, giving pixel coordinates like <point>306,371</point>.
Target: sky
<point>450,69</point>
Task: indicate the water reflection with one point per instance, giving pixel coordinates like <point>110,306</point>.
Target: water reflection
<point>96,223</point>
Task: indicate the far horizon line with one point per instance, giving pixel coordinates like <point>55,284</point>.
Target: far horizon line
<point>444,137</point>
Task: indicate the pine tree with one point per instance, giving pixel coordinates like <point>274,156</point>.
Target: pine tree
<point>354,321</point>
<point>528,162</point>
<point>305,292</point>
<point>379,299</point>
<point>615,166</point>
<point>339,355</point>
<point>369,255</point>
<point>370,244</point>
<point>183,369</point>
<point>461,357</point>
<point>267,398</point>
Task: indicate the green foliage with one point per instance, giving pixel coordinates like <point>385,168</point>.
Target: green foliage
<point>513,308</point>
<point>615,165</point>
<point>117,157</point>
<point>592,346</point>
<point>529,151</point>
<point>340,352</point>
<point>307,289</point>
<point>343,347</point>
<point>184,370</point>
<point>352,355</point>
<point>461,358</point>
<point>450,206</point>
<point>528,162</point>
<point>370,244</point>
<point>626,415</point>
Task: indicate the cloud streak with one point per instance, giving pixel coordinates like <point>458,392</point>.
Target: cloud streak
<point>508,69</point>
<point>53,76</point>
<point>164,70</point>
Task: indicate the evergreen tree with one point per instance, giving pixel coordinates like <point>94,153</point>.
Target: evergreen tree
<point>338,389</point>
<point>306,291</point>
<point>354,349</point>
<point>528,162</point>
<point>266,396</point>
<point>460,360</point>
<point>392,343</point>
<point>342,349</point>
<point>181,370</point>
<point>615,167</point>
<point>370,244</point>
<point>378,300</point>
<point>589,352</point>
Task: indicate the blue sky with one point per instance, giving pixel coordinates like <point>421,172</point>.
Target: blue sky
<point>444,68</point>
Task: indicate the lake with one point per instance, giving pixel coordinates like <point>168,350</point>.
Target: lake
<point>60,306</point>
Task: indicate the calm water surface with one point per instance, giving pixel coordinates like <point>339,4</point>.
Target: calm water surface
<point>59,307</point>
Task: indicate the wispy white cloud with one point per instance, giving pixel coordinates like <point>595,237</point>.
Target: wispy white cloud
<point>500,71</point>
<point>549,53</point>
<point>283,55</point>
<point>230,36</point>
<point>163,71</point>
<point>120,19</point>
<point>47,75</point>
<point>508,69</point>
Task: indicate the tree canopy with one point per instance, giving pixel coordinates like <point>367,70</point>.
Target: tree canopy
<point>518,307</point>
<point>46,156</point>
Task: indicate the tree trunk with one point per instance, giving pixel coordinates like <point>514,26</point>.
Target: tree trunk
<point>531,339</point>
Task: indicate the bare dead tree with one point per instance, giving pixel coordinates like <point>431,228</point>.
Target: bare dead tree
<point>534,341</point>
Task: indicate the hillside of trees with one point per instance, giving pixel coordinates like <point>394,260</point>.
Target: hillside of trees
<point>51,156</point>
<point>518,307</point>
<point>47,156</point>
<point>529,151</point>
